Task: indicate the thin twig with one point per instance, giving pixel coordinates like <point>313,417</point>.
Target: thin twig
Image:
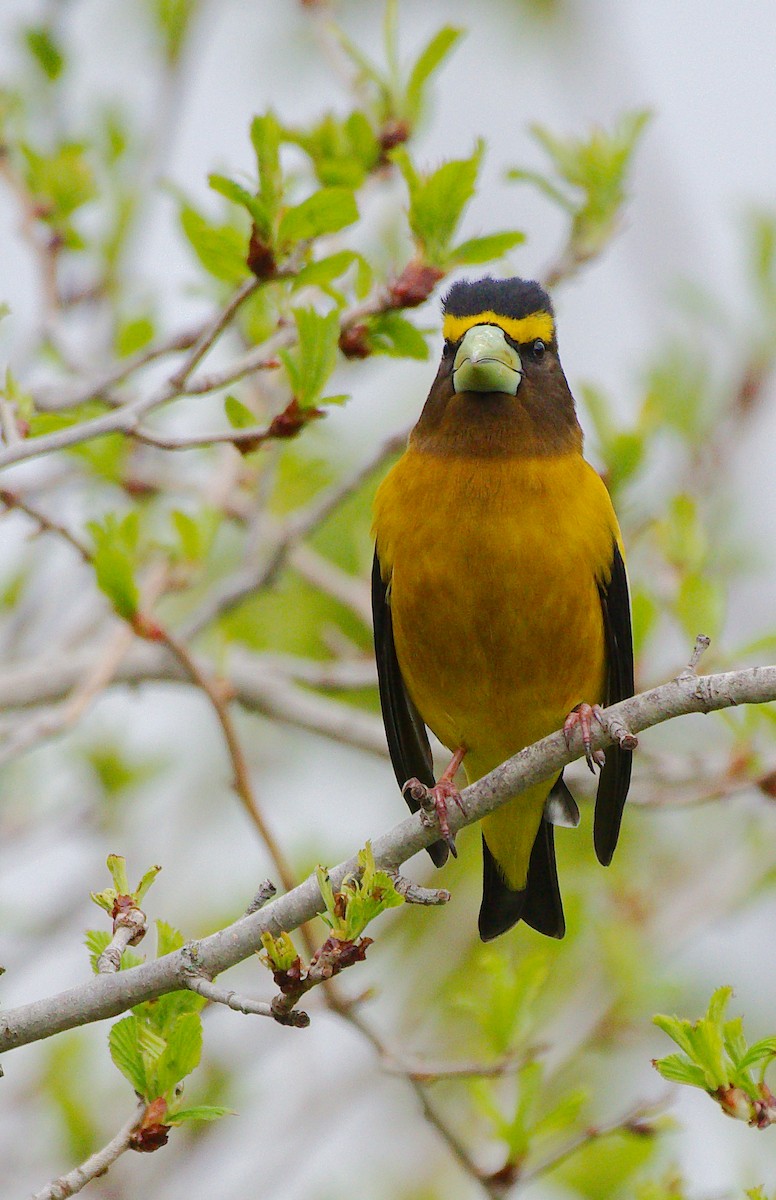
<point>430,1072</point>
<point>213,331</point>
<point>242,779</point>
<point>126,933</point>
<point>257,683</point>
<point>45,523</point>
<point>251,577</point>
<point>413,893</point>
<point>634,1121</point>
<point>96,1165</point>
<point>451,1140</point>
<point>243,1004</point>
<point>57,400</point>
<point>265,893</point>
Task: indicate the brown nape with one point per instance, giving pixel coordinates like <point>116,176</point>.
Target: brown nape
<point>539,422</point>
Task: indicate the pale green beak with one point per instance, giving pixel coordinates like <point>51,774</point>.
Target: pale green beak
<point>485,362</point>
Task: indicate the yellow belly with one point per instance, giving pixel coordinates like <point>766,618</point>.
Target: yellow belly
<point>494,568</point>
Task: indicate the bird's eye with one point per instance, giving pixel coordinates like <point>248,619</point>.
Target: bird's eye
<point>447,349</point>
<point>538,349</point>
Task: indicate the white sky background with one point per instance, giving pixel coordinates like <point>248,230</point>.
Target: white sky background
<point>707,72</point>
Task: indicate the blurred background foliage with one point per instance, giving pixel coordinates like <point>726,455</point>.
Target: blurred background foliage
<point>336,215</point>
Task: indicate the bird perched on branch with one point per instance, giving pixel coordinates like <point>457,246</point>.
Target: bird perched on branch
<point>499,593</point>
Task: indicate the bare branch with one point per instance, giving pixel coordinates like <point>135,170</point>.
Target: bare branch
<point>125,934</point>
<point>350,590</point>
<point>45,523</point>
<point>96,1165</point>
<point>106,996</point>
<point>252,576</point>
<point>244,1004</point>
<point>258,684</point>
<point>219,698</point>
<point>58,399</point>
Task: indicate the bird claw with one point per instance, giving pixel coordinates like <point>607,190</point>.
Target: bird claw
<point>433,803</point>
<point>583,716</point>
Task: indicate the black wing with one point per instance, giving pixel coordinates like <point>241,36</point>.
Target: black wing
<point>404,727</point>
<point>616,772</point>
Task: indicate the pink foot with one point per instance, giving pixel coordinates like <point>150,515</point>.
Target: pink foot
<point>583,716</point>
<point>434,801</point>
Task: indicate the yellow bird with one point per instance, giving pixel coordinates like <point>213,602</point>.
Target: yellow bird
<point>499,593</point>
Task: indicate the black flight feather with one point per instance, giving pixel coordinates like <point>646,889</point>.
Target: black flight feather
<point>404,728</point>
<point>538,904</point>
<point>616,772</point>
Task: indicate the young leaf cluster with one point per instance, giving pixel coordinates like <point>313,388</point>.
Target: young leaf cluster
<point>117,866</point>
<point>360,899</point>
<point>588,181</point>
<point>160,1044</point>
<point>437,201</point>
<point>714,1055</point>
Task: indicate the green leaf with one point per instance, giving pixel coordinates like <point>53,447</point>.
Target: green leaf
<point>278,953</point>
<point>96,941</point>
<point>429,61</point>
<point>735,1042</point>
<point>717,1005</point>
<point>678,1030</point>
<point>265,137</point>
<point>189,535</point>
<point>592,172</point>
<point>113,562</point>
<point>326,211</point>
<point>391,333</point>
<point>485,249</point>
<point>181,1054</point>
<point>173,20</point>
<point>562,1117</point>
<point>168,938</point>
<point>59,184</point>
<point>310,363</point>
<point>762,1051</point>
<point>324,271</point>
<point>45,50</point>
<point>342,152</point>
<point>132,335</point>
<point>700,605</point>
<point>145,882</point>
<point>221,249</point>
<point>645,614</point>
<point>677,1069</point>
<point>437,201</point>
<point>200,1112</point>
<point>239,195</point>
<point>762,254</point>
<point>117,866</point>
<point>238,414</point>
<point>126,1054</point>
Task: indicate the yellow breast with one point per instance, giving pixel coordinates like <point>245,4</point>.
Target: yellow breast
<point>494,567</point>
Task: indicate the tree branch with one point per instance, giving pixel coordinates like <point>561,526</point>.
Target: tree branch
<point>109,995</point>
<point>260,684</point>
<point>98,1164</point>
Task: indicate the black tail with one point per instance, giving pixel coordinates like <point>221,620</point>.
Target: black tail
<point>538,904</point>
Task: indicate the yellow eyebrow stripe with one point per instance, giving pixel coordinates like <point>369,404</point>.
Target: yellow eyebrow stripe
<point>523,329</point>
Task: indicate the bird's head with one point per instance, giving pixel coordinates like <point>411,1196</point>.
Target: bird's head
<point>500,388</point>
